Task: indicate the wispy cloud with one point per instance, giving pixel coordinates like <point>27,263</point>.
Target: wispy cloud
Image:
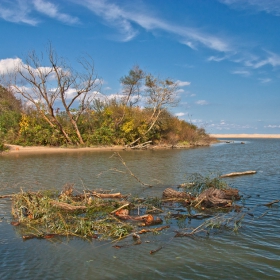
<point>52,11</point>
<point>17,11</point>
<point>272,126</point>
<point>226,126</point>
<point>271,59</point>
<point>201,102</point>
<point>22,11</point>
<point>265,80</point>
<point>182,83</point>
<point>181,114</point>
<point>268,6</point>
<point>127,19</point>
<point>180,90</point>
<point>216,58</point>
<point>244,73</point>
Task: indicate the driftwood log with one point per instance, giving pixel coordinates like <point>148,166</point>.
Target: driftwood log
<point>238,173</point>
<point>107,195</point>
<point>217,198</point>
<point>172,194</point>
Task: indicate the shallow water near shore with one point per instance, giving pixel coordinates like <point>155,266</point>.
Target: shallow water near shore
<point>253,253</point>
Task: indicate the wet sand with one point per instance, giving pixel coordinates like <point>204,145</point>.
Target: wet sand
<point>17,149</point>
<point>271,136</point>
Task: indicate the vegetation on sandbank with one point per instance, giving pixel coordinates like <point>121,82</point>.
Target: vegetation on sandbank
<point>54,105</point>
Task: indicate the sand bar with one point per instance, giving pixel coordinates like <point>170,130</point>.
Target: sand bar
<point>17,149</point>
<point>268,136</point>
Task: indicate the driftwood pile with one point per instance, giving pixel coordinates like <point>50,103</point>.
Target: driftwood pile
<point>98,214</point>
<point>217,198</point>
<point>210,197</point>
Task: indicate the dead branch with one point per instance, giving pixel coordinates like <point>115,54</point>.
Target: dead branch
<point>7,196</point>
<point>130,172</point>
<point>154,251</point>
<point>107,195</point>
<point>271,203</point>
<point>238,173</point>
<point>66,206</point>
<point>118,209</point>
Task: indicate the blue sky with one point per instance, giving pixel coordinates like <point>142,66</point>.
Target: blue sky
<point>225,54</point>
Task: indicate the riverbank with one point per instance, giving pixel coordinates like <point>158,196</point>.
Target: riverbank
<point>17,149</point>
<point>268,136</point>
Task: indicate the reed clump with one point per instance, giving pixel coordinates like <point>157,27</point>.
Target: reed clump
<point>105,215</point>
<point>83,215</point>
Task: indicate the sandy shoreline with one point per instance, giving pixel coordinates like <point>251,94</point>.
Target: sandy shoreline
<point>267,136</point>
<point>17,149</point>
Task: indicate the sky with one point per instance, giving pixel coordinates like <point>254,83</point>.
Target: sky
<point>224,54</point>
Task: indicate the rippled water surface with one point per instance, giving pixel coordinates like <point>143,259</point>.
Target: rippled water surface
<point>253,253</point>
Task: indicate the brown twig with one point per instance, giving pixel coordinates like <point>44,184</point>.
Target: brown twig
<point>130,172</point>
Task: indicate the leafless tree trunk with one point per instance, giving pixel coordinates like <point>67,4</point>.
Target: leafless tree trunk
<point>45,86</point>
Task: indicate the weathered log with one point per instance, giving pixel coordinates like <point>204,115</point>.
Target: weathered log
<point>217,198</point>
<point>6,196</point>
<point>271,203</point>
<point>238,173</point>
<point>170,193</point>
<point>66,206</point>
<point>107,195</point>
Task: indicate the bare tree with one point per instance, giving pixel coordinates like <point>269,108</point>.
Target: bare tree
<point>43,86</point>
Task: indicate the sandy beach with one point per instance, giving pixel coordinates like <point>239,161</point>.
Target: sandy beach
<point>17,149</point>
<point>268,136</point>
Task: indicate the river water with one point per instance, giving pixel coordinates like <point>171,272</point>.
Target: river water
<point>252,253</point>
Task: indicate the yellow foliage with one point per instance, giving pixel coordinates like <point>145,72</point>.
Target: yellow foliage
<point>24,123</point>
<point>128,126</point>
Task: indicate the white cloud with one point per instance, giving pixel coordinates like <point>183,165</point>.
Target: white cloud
<point>244,73</point>
<point>124,20</point>
<point>182,83</point>
<point>272,60</point>
<point>16,11</point>
<point>264,80</point>
<point>52,11</point>
<point>197,121</point>
<point>201,102</point>
<point>272,126</point>
<point>268,6</point>
<point>9,64</point>
<point>181,114</point>
<point>180,90</point>
<point>22,12</point>
<point>216,58</point>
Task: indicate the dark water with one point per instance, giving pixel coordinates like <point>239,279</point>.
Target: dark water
<point>253,253</point>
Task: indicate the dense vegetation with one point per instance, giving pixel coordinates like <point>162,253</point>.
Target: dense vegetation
<point>60,106</point>
<point>99,125</point>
